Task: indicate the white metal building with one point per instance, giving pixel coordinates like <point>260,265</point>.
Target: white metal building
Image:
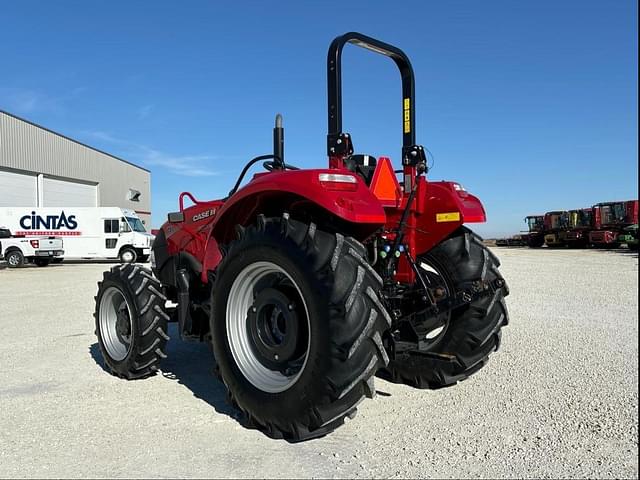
<point>42,168</point>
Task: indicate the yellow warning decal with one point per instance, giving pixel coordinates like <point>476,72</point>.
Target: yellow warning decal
<point>406,108</point>
<point>448,217</point>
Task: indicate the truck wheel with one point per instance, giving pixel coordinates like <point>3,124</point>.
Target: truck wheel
<point>41,262</point>
<point>131,323</point>
<point>14,259</point>
<point>128,255</point>
<point>460,342</point>
<point>297,327</point>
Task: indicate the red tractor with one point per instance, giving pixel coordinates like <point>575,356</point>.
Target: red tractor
<point>610,220</point>
<point>580,223</point>
<point>309,282</point>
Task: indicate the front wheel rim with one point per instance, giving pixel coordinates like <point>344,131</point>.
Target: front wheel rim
<point>14,260</point>
<point>267,315</point>
<point>115,323</point>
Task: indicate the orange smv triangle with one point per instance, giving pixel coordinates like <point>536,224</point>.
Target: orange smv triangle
<point>384,184</point>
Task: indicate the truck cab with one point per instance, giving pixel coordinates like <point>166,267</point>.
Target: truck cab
<point>125,236</point>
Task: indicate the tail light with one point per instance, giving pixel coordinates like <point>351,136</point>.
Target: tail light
<point>462,192</point>
<point>337,181</point>
<point>35,243</point>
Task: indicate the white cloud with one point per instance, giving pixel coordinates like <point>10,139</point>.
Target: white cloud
<point>144,111</point>
<point>24,101</point>
<point>185,165</point>
<point>20,100</point>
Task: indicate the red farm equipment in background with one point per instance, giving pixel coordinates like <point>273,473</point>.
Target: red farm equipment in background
<point>535,236</point>
<point>610,220</point>
<point>556,225</point>
<point>580,223</point>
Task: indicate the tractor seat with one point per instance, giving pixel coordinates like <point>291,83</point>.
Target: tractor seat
<point>363,165</point>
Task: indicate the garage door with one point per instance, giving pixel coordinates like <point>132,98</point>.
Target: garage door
<point>67,193</point>
<point>18,189</point>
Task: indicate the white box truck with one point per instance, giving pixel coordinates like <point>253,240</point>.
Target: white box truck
<point>88,232</point>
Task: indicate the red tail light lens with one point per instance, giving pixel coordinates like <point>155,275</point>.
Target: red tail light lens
<point>337,181</point>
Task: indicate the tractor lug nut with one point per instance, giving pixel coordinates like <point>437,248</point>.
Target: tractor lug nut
<point>439,292</point>
<point>276,356</point>
<point>466,297</point>
<point>291,306</point>
<point>254,309</point>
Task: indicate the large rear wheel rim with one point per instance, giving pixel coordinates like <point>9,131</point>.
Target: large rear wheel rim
<point>115,323</point>
<point>256,323</point>
<point>436,327</point>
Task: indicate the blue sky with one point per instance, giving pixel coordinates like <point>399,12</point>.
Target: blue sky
<point>532,105</point>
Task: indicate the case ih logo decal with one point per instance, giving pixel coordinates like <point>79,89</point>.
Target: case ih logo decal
<point>203,215</point>
<point>49,225</point>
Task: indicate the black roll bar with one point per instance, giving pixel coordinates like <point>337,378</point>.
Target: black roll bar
<point>334,86</point>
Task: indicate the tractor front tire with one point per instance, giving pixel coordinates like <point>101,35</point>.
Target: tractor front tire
<point>473,330</point>
<point>131,323</point>
<point>297,327</point>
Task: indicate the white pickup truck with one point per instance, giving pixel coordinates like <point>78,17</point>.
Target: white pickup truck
<point>18,250</point>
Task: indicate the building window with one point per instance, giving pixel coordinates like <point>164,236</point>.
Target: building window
<point>112,226</point>
<point>133,195</point>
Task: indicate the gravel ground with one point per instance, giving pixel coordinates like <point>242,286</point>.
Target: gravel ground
<point>560,398</point>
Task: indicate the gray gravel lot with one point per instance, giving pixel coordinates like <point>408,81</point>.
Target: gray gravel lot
<point>560,398</point>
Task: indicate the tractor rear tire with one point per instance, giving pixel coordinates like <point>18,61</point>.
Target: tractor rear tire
<point>473,330</point>
<point>131,323</point>
<point>333,325</point>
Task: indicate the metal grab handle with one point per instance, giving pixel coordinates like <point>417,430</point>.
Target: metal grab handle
<point>191,197</point>
<point>334,82</point>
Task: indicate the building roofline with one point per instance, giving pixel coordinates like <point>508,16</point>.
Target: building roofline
<point>73,140</point>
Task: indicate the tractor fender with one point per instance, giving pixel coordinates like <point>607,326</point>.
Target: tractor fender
<point>442,208</point>
<point>274,192</point>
